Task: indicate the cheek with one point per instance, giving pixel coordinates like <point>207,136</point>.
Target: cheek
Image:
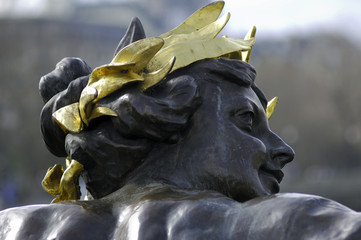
<point>249,149</point>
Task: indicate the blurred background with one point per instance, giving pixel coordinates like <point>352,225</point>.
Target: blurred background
<point>307,53</point>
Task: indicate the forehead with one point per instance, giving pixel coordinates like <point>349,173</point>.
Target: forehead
<point>233,90</point>
<point>220,71</point>
<point>239,93</point>
<point>226,95</point>
<point>226,70</point>
<point>234,94</point>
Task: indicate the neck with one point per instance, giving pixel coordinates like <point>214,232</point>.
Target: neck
<point>163,165</point>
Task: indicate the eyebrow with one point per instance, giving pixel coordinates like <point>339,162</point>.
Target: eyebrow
<point>240,78</point>
<point>262,98</point>
<point>246,103</point>
<point>234,71</point>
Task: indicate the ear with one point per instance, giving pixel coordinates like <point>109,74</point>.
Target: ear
<point>134,33</point>
<point>181,91</point>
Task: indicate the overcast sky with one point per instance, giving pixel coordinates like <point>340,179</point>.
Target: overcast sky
<point>270,16</point>
<point>278,16</point>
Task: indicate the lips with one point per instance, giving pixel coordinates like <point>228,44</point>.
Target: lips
<point>277,174</point>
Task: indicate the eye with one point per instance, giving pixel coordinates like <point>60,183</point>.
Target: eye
<point>244,119</point>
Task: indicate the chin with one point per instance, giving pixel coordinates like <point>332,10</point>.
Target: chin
<point>270,184</point>
<point>242,192</point>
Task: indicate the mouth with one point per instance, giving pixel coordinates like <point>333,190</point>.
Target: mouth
<point>277,174</point>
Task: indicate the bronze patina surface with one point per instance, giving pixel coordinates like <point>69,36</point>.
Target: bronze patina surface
<point>172,140</point>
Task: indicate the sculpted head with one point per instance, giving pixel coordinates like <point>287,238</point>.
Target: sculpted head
<point>203,126</point>
<point>229,146</point>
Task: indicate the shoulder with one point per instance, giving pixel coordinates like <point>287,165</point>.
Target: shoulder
<point>204,215</point>
<point>177,213</point>
<point>184,214</point>
<point>54,221</point>
<point>302,216</point>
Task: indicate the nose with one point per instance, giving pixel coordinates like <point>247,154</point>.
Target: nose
<point>280,152</point>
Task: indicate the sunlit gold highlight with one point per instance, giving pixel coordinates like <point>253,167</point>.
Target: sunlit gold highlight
<point>271,105</point>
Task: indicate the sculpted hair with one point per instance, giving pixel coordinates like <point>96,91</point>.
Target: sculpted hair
<point>111,147</point>
<point>224,69</point>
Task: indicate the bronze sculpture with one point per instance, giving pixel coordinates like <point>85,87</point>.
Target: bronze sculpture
<point>188,156</point>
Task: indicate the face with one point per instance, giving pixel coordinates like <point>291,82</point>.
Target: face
<point>235,152</point>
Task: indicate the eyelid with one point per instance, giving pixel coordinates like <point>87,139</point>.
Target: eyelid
<point>243,117</point>
<point>244,109</point>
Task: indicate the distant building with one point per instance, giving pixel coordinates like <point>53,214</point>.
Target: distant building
<point>152,13</point>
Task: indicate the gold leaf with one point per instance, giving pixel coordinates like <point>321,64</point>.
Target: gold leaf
<point>102,111</point>
<point>135,48</point>
<point>85,107</point>
<point>192,51</point>
<point>69,184</point>
<point>114,68</point>
<point>153,78</point>
<point>198,20</point>
<point>251,34</point>
<point>208,32</point>
<point>68,118</point>
<point>271,105</point>
<point>51,181</point>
